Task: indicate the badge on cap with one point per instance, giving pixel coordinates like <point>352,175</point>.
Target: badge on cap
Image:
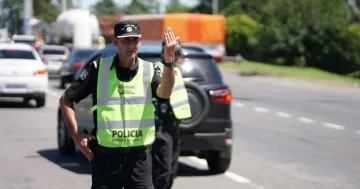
<point>129,29</point>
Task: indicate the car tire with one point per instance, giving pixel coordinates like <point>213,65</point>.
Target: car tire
<point>217,163</point>
<point>40,101</point>
<point>66,145</point>
<point>199,103</point>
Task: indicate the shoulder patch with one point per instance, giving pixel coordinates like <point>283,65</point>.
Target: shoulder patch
<point>83,75</point>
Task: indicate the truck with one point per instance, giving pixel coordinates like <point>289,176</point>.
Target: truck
<point>206,31</point>
<point>76,28</point>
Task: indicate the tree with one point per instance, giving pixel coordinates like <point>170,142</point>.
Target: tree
<point>11,13</point>
<point>45,10</point>
<point>205,6</point>
<point>105,7</point>
<point>143,7</point>
<point>175,6</point>
<point>69,4</point>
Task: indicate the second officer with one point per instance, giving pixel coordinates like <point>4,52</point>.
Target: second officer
<point>169,112</point>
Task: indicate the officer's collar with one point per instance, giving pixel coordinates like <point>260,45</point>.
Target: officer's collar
<point>116,63</point>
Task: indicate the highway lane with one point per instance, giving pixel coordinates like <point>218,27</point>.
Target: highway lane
<point>330,106</point>
<point>29,157</point>
<point>280,138</point>
<point>282,153</point>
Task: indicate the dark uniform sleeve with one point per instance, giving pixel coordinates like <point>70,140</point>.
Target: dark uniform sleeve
<point>84,84</point>
<point>156,80</point>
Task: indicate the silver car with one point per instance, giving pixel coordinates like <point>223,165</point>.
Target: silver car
<point>53,57</point>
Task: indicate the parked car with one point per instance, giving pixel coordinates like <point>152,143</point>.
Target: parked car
<point>22,73</point>
<point>74,62</point>
<point>53,57</point>
<point>207,134</point>
<point>27,39</point>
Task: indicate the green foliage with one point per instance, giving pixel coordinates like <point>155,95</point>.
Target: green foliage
<point>242,32</point>
<point>175,6</point>
<point>312,33</point>
<point>143,7</point>
<point>45,10</point>
<point>105,7</point>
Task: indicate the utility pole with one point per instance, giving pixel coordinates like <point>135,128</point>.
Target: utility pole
<point>215,6</point>
<point>63,5</point>
<point>2,25</point>
<point>28,14</point>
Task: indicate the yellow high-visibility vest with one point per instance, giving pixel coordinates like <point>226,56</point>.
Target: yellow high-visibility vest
<point>179,97</point>
<point>125,112</point>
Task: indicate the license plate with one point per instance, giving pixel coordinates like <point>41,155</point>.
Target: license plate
<point>15,86</point>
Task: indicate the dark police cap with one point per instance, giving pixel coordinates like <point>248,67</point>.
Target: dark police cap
<point>127,28</point>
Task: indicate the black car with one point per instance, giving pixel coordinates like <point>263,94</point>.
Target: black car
<point>207,134</point>
<point>74,62</point>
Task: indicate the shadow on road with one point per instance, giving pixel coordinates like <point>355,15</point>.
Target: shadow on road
<point>77,163</point>
<point>185,170</point>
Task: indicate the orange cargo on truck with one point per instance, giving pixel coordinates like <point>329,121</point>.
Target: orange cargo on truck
<point>202,30</point>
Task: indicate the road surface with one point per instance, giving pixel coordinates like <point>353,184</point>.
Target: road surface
<point>285,137</point>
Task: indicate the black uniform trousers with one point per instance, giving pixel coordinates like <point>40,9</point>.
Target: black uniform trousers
<point>166,151</point>
<point>128,168</point>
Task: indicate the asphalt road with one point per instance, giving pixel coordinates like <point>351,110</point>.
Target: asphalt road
<point>291,134</point>
<point>285,137</point>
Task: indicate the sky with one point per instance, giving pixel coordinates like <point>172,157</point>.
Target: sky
<point>87,3</point>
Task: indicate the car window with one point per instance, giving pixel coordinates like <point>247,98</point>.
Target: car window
<point>201,68</point>
<point>54,51</point>
<point>17,54</point>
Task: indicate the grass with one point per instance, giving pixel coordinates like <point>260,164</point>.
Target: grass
<point>298,72</point>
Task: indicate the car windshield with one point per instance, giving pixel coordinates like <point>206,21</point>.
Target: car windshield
<point>54,51</point>
<point>16,54</point>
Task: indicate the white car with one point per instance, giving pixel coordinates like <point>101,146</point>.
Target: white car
<point>22,73</point>
<point>53,56</point>
<point>27,39</point>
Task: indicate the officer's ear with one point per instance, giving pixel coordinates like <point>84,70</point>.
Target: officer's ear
<point>115,41</point>
<point>140,41</point>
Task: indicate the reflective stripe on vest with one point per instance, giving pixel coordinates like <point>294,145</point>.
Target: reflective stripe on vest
<point>179,97</point>
<point>125,113</point>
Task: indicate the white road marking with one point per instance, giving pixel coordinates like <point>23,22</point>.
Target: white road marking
<point>236,178</point>
<point>334,126</point>
<point>282,114</point>
<point>230,175</point>
<point>239,105</point>
<point>305,120</point>
<point>199,161</point>
<point>261,110</point>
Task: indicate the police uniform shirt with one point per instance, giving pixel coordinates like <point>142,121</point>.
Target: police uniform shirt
<point>86,84</point>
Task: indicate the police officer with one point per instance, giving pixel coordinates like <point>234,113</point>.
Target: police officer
<point>169,112</point>
<point>122,87</point>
